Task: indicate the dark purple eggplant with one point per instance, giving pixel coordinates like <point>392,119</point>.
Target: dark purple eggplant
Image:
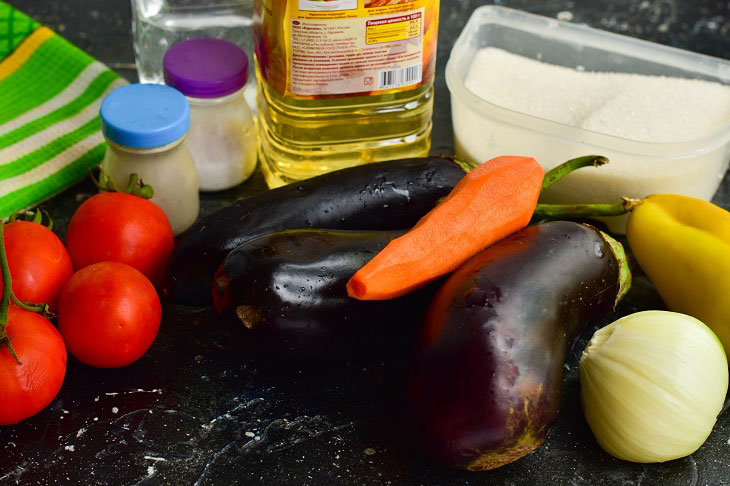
<point>380,196</point>
<point>485,384</point>
<point>289,291</point>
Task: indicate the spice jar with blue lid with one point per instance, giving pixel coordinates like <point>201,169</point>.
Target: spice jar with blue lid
<point>212,74</point>
<point>144,126</point>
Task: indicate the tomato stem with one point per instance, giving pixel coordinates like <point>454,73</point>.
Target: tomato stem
<point>32,216</point>
<point>50,221</point>
<point>7,295</point>
<point>42,309</point>
<point>135,185</point>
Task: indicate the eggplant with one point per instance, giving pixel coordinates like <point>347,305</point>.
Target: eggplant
<point>379,196</point>
<point>484,389</point>
<point>288,289</point>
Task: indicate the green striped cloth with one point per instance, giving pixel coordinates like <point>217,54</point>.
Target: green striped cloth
<point>50,92</point>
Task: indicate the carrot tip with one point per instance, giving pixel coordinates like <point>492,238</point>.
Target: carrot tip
<point>356,289</point>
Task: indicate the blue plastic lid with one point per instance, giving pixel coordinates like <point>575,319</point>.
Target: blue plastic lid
<point>144,115</point>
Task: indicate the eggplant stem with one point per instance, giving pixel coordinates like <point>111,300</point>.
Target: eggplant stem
<point>552,176</point>
<point>464,164</point>
<point>624,272</point>
<point>566,168</point>
<point>568,211</point>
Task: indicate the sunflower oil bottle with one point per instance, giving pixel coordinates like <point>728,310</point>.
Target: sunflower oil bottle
<point>342,83</point>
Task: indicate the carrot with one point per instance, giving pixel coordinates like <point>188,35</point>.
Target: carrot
<point>490,202</point>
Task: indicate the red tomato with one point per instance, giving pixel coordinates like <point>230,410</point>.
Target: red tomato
<point>108,314</point>
<point>28,388</point>
<point>38,261</point>
<point>113,226</point>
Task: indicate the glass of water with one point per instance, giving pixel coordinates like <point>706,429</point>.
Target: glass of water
<point>158,24</point>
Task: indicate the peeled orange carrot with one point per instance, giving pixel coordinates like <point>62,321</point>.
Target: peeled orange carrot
<point>490,202</point>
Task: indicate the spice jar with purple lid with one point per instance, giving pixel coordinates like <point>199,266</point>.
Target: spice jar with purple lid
<point>212,74</point>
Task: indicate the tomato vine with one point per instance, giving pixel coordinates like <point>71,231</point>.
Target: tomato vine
<point>8,296</point>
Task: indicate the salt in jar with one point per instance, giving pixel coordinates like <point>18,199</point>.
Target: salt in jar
<point>144,126</point>
<point>212,74</point>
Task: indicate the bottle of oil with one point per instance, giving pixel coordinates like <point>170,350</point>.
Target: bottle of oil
<point>342,83</point>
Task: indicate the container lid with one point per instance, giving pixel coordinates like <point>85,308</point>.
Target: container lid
<point>206,68</point>
<point>144,115</point>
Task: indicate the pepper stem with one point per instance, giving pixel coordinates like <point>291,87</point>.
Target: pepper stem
<point>566,168</point>
<point>6,296</point>
<point>568,211</point>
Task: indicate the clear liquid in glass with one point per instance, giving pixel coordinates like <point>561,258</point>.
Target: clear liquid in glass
<point>158,24</point>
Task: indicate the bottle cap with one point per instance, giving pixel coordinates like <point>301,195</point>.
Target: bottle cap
<point>144,115</point>
<point>206,68</point>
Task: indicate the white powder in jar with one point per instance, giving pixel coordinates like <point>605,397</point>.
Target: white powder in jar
<point>222,141</point>
<point>662,125</point>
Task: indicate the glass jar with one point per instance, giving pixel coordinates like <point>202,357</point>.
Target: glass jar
<point>213,74</point>
<point>144,125</point>
<point>159,24</point>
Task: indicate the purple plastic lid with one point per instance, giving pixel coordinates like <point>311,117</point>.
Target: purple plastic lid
<point>206,68</point>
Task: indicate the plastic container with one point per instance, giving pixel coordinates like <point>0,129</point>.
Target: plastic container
<point>636,169</point>
<point>144,125</point>
<point>212,74</point>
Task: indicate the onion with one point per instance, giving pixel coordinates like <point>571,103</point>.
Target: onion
<point>652,385</point>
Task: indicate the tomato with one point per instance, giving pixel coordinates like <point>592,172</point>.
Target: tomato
<point>108,314</point>
<point>38,261</point>
<point>28,388</point>
<point>119,227</point>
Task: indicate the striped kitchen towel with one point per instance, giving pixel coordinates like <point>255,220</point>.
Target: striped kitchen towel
<point>50,93</point>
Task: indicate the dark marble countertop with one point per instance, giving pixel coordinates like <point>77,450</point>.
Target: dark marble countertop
<point>198,410</point>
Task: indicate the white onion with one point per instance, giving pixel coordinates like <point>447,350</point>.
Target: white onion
<point>652,385</point>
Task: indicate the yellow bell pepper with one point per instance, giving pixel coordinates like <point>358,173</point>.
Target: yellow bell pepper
<point>683,246</point>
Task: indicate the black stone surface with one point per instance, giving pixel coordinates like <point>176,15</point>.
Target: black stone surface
<point>197,410</point>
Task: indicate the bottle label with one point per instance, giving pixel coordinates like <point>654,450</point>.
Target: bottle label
<point>354,47</point>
